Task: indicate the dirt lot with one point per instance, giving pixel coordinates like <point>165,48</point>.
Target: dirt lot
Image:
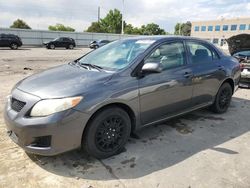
<point>200,149</point>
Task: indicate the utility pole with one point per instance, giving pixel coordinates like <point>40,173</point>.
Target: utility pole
<point>122,17</point>
<point>98,14</point>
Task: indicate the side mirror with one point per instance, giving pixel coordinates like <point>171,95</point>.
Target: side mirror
<point>151,68</point>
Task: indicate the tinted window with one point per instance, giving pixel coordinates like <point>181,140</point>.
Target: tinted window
<point>217,28</point>
<point>196,28</point>
<point>210,28</point>
<point>4,36</point>
<point>243,27</point>
<point>169,55</point>
<point>225,27</point>
<point>66,40</point>
<point>200,53</point>
<point>233,27</point>
<point>104,41</point>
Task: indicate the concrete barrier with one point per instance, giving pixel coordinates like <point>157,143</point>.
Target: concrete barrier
<point>37,37</point>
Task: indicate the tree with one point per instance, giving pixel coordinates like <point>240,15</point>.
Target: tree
<point>20,24</point>
<point>112,23</point>
<point>186,28</point>
<point>177,29</point>
<point>152,29</point>
<point>183,28</point>
<point>95,27</point>
<point>60,27</point>
<point>129,29</point>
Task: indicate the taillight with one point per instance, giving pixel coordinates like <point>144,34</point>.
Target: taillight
<point>242,66</point>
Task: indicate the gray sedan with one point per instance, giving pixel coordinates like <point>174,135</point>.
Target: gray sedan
<point>96,101</point>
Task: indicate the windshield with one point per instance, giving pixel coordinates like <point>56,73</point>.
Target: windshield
<point>243,53</point>
<point>116,55</point>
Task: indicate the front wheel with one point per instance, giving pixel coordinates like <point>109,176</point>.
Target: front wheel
<point>223,99</point>
<point>107,133</point>
<point>14,46</point>
<point>51,46</point>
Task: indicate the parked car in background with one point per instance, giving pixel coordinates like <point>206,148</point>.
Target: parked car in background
<point>10,40</point>
<point>96,101</point>
<point>61,42</point>
<point>239,47</point>
<point>98,43</point>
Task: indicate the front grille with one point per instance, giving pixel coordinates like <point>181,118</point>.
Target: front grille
<point>16,104</point>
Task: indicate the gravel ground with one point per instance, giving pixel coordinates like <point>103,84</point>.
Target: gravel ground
<point>200,149</point>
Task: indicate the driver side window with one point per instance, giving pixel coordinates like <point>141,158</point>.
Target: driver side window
<point>170,55</point>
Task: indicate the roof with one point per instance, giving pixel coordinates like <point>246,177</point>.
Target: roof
<point>159,37</point>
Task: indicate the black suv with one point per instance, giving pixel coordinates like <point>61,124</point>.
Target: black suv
<point>10,40</point>
<point>64,42</point>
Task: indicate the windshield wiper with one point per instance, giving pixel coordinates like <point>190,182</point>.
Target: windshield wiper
<point>75,63</point>
<point>92,66</point>
<point>86,65</point>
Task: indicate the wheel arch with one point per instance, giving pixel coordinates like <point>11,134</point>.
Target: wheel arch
<point>231,82</point>
<point>123,106</point>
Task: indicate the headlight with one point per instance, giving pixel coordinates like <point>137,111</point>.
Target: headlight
<point>50,106</point>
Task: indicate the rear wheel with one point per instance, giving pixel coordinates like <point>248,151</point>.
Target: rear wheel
<point>70,46</point>
<point>107,133</point>
<point>223,99</point>
<point>51,46</point>
<point>14,46</point>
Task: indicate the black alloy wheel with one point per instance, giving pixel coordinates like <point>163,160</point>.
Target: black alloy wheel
<point>107,133</point>
<point>223,99</point>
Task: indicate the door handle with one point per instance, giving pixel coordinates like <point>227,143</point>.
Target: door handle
<point>188,74</point>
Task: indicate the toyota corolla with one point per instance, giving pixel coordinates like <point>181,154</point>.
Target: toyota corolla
<point>96,101</point>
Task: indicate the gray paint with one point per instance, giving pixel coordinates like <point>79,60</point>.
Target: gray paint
<point>151,98</point>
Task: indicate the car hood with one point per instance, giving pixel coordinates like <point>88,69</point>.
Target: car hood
<point>46,42</point>
<point>238,43</point>
<point>62,81</point>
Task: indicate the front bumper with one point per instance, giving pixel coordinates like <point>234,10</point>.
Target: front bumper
<point>50,135</point>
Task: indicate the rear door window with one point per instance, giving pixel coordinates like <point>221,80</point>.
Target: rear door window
<point>200,53</point>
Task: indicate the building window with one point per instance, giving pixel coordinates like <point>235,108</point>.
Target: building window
<point>196,28</point>
<point>203,28</point>
<point>225,28</point>
<point>210,28</point>
<point>217,28</point>
<point>242,27</point>
<point>233,27</point>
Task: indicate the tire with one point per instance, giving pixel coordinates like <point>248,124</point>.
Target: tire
<point>107,133</point>
<point>14,46</point>
<point>70,47</point>
<point>223,99</point>
<point>96,46</point>
<point>51,46</point>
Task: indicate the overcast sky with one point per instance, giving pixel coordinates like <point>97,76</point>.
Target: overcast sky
<point>80,13</point>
